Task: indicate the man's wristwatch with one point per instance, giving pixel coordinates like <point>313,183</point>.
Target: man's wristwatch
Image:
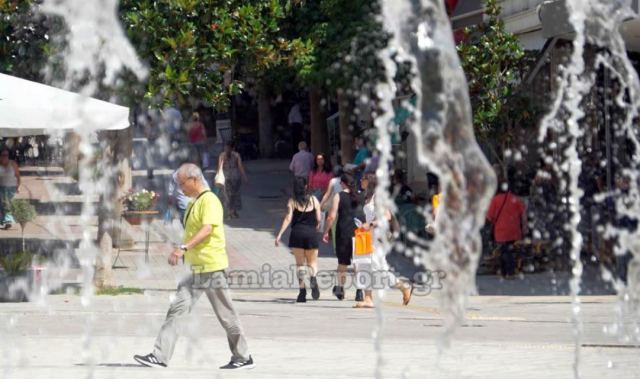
<point>183,248</point>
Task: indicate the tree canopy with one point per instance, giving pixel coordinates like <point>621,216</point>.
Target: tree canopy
<point>343,38</point>
<point>26,46</point>
<point>491,58</point>
<point>206,49</point>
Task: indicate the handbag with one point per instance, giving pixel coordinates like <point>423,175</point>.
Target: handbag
<point>219,178</point>
<point>362,242</point>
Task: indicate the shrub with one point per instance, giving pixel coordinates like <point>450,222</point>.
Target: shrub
<point>23,212</point>
<point>16,263</point>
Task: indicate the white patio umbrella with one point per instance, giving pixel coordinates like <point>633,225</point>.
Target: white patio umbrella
<point>30,108</point>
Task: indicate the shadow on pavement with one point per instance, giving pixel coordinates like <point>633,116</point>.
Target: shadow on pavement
<point>131,365</point>
<point>544,284</point>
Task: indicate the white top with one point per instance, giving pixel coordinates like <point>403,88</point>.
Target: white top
<point>295,117</point>
<point>370,210</point>
<point>8,176</point>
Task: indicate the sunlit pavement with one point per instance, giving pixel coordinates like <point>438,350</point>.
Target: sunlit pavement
<point>503,337</point>
<point>517,336</point>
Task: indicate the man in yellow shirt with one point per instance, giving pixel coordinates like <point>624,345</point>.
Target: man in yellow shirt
<point>204,250</point>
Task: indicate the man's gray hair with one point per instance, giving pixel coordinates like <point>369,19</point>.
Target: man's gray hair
<point>302,146</point>
<point>190,170</point>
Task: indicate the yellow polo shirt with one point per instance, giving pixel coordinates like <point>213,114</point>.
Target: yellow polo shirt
<point>210,254</point>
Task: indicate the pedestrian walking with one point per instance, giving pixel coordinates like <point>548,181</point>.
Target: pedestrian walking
<point>507,214</point>
<point>152,133</point>
<point>333,188</point>
<point>231,165</point>
<point>373,268</point>
<point>204,250</point>
<point>295,121</point>
<point>9,186</point>
<point>320,176</point>
<point>360,160</point>
<point>177,198</point>
<point>303,214</point>
<point>346,206</point>
<point>197,137</point>
<point>302,162</point>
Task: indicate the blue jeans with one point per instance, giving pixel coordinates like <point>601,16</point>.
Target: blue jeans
<point>6,195</point>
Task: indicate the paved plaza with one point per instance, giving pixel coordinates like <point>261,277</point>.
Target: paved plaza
<point>527,334</point>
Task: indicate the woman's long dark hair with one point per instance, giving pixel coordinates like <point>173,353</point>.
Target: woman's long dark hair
<point>326,167</point>
<point>348,180</point>
<point>372,182</point>
<point>300,193</point>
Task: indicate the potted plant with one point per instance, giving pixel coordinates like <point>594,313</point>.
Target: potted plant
<point>23,212</point>
<point>142,200</point>
<point>19,273</point>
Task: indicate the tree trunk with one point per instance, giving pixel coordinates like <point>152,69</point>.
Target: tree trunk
<point>346,132</point>
<point>319,133</point>
<point>265,122</point>
<point>117,169</point>
<point>71,154</point>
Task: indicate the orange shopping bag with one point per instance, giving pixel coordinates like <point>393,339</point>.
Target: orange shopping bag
<point>363,242</point>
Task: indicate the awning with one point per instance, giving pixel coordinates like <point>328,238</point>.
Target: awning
<point>30,108</point>
<point>554,17</point>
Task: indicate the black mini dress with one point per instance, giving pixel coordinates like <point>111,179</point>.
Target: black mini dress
<point>304,234</point>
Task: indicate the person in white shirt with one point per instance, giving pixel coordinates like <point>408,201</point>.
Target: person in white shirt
<point>295,123</point>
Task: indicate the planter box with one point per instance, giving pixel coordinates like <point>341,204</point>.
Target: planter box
<point>18,288</point>
<point>133,220</point>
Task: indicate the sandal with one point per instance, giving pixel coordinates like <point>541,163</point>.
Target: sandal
<point>407,299</point>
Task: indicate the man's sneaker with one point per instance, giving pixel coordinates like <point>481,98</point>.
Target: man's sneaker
<point>239,365</point>
<point>149,360</point>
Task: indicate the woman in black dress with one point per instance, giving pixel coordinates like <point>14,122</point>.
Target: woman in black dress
<point>303,213</point>
<point>346,205</point>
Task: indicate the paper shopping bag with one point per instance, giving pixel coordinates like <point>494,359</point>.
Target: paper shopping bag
<point>362,242</point>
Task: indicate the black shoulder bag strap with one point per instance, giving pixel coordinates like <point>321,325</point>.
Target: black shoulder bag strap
<point>186,217</point>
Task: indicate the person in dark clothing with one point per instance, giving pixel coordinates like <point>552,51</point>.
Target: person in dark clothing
<point>346,205</point>
<point>303,213</point>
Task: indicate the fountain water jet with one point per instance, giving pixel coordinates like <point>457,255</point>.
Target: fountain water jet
<point>445,143</point>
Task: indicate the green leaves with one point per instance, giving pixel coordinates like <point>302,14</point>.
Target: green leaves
<point>25,39</point>
<point>191,45</point>
<point>490,57</point>
<point>339,41</point>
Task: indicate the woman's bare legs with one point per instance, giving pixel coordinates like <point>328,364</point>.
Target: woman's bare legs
<point>311,257</point>
<point>367,302</point>
<point>300,265</point>
<point>301,268</point>
<point>342,274</point>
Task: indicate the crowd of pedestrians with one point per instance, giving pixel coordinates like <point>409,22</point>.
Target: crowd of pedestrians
<point>339,206</point>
